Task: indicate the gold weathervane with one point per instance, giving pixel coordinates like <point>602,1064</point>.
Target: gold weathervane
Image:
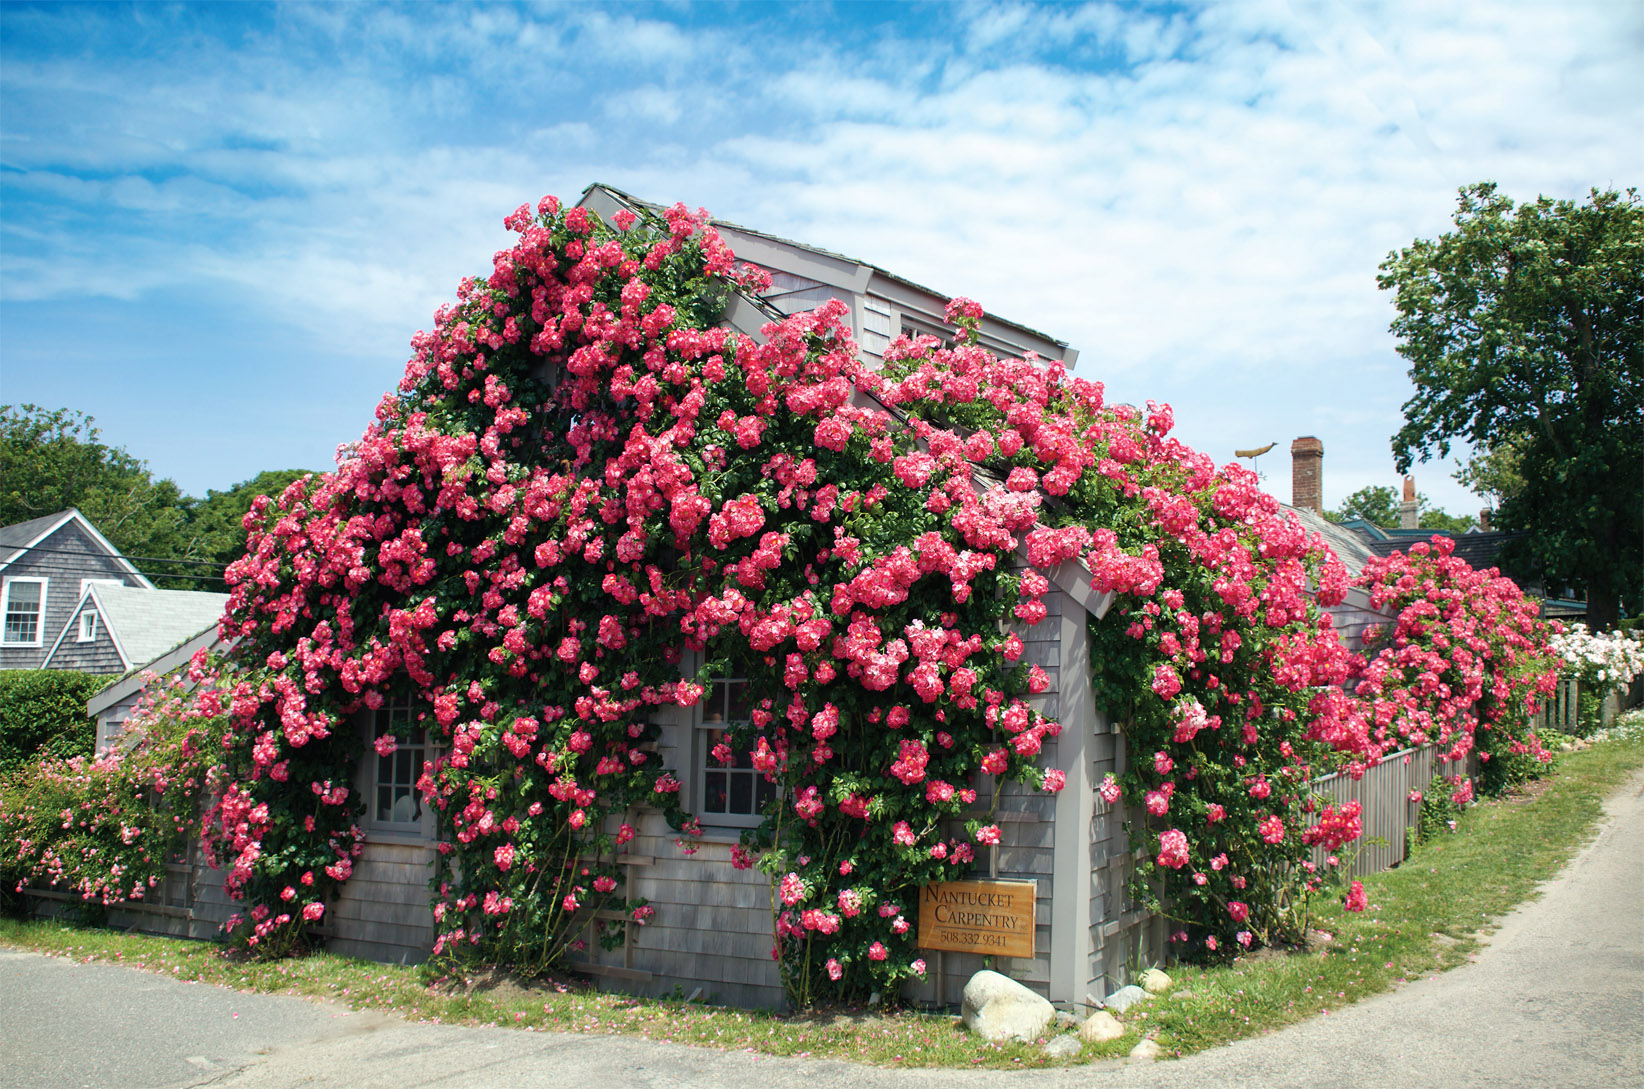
<point>1254,453</point>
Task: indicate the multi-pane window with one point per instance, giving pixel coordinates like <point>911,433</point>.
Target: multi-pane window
<point>88,619</point>
<point>734,794</point>
<point>395,800</point>
<point>912,331</point>
<point>25,607</point>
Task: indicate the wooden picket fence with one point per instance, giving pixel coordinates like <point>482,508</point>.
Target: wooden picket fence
<point>1383,794</point>
<point>1562,710</point>
<point>1384,791</point>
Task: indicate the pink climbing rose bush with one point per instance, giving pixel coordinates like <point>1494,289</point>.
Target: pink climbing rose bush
<point>1462,665</point>
<point>105,829</point>
<point>587,500</point>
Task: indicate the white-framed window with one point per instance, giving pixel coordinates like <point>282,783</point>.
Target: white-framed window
<point>911,330</point>
<point>393,801</point>
<point>24,609</point>
<point>727,796</point>
<point>89,621</point>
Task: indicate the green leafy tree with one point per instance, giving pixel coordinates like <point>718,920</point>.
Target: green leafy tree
<point>1435,519</point>
<point>1496,473</point>
<point>43,712</point>
<point>1524,328</point>
<point>215,526</point>
<point>1376,504</point>
<point>52,459</point>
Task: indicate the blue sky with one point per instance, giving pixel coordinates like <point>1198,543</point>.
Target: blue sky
<point>221,224</point>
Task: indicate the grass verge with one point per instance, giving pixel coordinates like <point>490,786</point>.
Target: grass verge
<point>1425,917</point>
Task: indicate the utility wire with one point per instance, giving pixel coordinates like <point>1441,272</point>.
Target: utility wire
<point>145,559</point>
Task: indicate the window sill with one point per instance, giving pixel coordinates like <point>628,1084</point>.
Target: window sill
<point>400,838</point>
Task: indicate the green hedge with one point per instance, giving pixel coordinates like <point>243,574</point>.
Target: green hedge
<point>44,710</point>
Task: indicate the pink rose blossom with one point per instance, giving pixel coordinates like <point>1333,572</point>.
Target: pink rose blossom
<point>1172,849</point>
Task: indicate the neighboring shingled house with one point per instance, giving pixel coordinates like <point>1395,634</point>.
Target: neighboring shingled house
<point>116,629</point>
<point>1357,540</point>
<point>46,566</point>
<point>120,629</point>
<point>1480,548</point>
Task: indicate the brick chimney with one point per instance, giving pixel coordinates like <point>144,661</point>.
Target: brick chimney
<point>1484,520</point>
<point>1409,517</point>
<point>1307,474</point>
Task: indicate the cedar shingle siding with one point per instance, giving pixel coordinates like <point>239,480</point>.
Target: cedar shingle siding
<point>98,655</point>
<point>64,559</point>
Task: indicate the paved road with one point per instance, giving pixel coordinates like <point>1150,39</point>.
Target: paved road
<point>1555,1001</point>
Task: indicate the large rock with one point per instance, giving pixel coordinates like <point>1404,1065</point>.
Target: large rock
<point>1100,1027</point>
<point>1124,998</point>
<point>997,1008</point>
<point>1155,982</point>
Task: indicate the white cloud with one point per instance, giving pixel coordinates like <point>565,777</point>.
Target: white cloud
<point>1196,200</point>
<point>1178,219</point>
<point>647,104</point>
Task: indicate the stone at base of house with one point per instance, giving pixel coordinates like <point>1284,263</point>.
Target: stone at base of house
<point>1124,998</point>
<point>1100,1027</point>
<point>1155,981</point>
<point>997,1008</point>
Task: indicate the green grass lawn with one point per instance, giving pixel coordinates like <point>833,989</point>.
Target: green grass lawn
<point>1426,916</point>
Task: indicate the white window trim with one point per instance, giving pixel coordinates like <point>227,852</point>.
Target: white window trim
<point>40,617</point>
<point>920,325</point>
<point>424,828</point>
<point>88,631</point>
<point>700,754</point>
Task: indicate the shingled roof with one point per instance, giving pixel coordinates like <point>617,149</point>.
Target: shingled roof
<point>1348,546</point>
<point>1480,550</point>
<point>21,538</point>
<point>15,538</point>
<point>147,623</point>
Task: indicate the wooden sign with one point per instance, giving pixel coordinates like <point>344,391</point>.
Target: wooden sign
<point>989,917</point>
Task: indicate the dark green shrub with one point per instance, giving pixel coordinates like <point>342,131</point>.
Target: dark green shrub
<point>43,712</point>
